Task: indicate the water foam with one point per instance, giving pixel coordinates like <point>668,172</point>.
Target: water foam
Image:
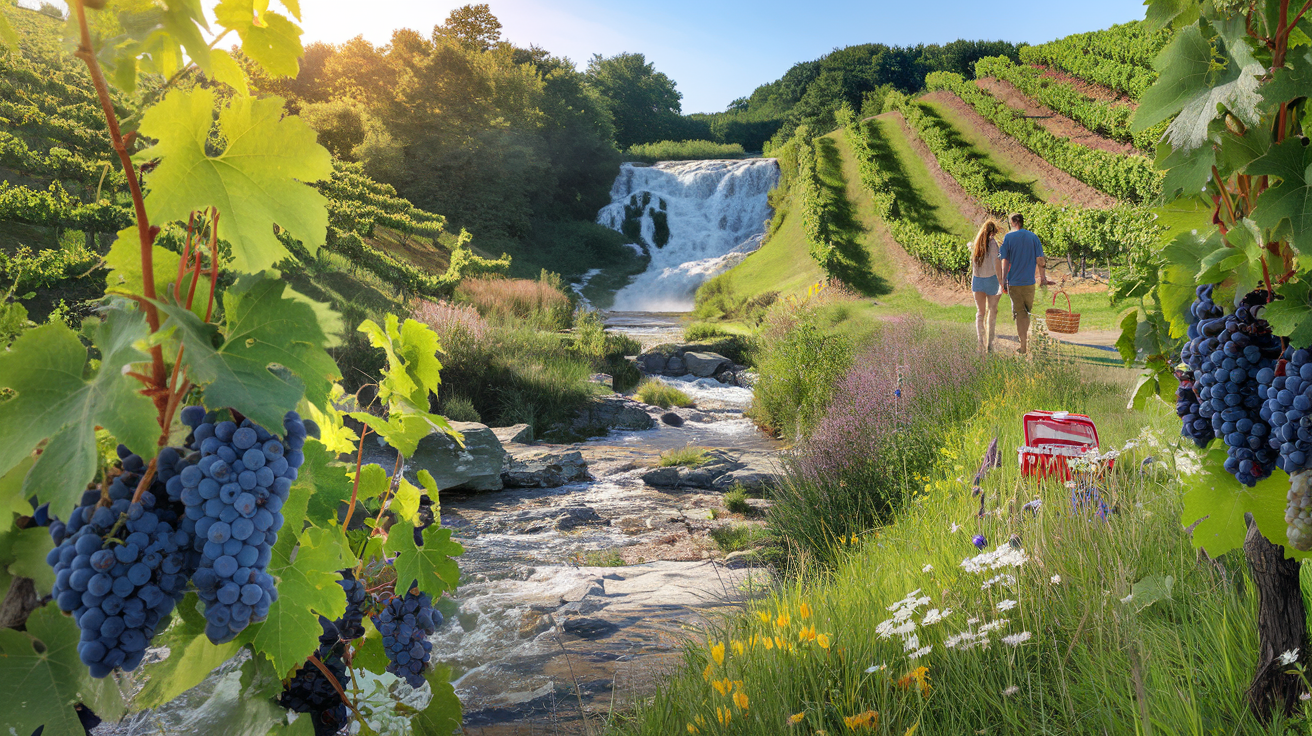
<point>716,213</point>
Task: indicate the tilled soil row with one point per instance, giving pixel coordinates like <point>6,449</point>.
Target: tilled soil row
<point>1053,121</point>
<point>1066,189</point>
<point>1091,89</point>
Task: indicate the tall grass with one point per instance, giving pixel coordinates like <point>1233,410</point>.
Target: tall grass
<point>1098,647</point>
<point>800,360</point>
<point>656,392</point>
<point>541,303</point>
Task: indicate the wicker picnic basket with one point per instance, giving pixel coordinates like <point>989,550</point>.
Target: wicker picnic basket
<point>1066,322</point>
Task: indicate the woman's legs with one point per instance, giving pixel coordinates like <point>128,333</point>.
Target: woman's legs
<point>993,300</point>
<point>983,329</point>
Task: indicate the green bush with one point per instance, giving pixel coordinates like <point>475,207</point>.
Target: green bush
<point>736,501</point>
<point>657,393</point>
<point>738,537</point>
<point>683,151</point>
<point>799,363</point>
<point>686,457</point>
<point>460,409</point>
<point>702,331</point>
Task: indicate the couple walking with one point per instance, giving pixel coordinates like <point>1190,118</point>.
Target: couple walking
<point>1009,268</point>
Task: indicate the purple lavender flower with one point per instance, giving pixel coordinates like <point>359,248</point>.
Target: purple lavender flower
<point>979,541</point>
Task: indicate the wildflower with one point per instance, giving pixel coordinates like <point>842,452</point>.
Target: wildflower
<point>723,715</point>
<point>862,721</point>
<point>692,728</point>
<point>740,700</point>
<point>972,621</point>
<point>782,620</point>
<point>823,641</point>
<point>919,676</point>
<point>1056,579</point>
<point>706,673</point>
<point>885,629</point>
<point>1289,657</point>
<point>920,652</point>
<point>768,641</point>
<point>905,628</point>
<point>804,611</point>
<point>780,643</point>
<point>764,616</point>
<point>1005,555</point>
<point>910,643</point>
<point>722,686</point>
<point>933,616</point>
<point>979,541</point>
<point>927,568</point>
<point>1006,605</point>
<point>1011,691</point>
<point>717,653</point>
<point>907,601</point>
<point>1305,696</point>
<point>807,633</point>
<point>872,669</point>
<point>955,528</point>
<point>1128,598</point>
<point>796,718</point>
<point>738,647</point>
<point>1016,640</point>
<point>993,625</point>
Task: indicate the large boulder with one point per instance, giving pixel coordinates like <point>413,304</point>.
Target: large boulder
<point>475,467</point>
<point>705,365</point>
<point>652,363</point>
<point>612,412</point>
<point>550,470</point>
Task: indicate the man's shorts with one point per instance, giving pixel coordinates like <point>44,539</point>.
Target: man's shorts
<point>1022,298</point>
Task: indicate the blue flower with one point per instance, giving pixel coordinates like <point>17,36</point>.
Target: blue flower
<point>980,541</point>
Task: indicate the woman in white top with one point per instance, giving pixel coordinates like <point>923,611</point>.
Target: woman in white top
<point>985,266</point>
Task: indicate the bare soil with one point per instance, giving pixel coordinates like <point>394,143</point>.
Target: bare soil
<point>1066,189</point>
<point>1054,122</point>
<point>1090,89</point>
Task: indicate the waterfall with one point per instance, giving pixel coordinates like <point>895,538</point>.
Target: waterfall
<point>696,219</point>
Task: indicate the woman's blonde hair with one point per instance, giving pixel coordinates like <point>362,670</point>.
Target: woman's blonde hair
<point>981,245</point>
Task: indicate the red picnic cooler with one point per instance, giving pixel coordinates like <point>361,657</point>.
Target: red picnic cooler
<point>1051,439</point>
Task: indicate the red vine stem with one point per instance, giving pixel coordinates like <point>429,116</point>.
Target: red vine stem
<point>145,233</point>
<point>355,487</point>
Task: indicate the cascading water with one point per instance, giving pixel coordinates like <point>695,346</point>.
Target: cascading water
<point>695,218</point>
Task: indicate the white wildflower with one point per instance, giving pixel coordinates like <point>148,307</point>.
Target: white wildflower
<point>955,527</point>
<point>927,568</point>
<point>1288,657</point>
<point>1304,696</point>
<point>1004,556</point>
<point>911,643</point>
<point>953,641</point>
<point>1056,579</point>
<point>905,628</point>
<point>872,669</point>
<point>919,653</point>
<point>910,599</point>
<point>885,629</point>
<point>993,625</point>
<point>1128,598</point>
<point>1015,640</point>
<point>1011,691</point>
<point>933,616</point>
<point>972,621</point>
<point>1006,605</point>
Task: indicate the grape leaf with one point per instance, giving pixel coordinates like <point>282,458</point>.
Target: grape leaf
<point>430,565</point>
<point>1125,343</point>
<point>442,717</point>
<point>334,435</point>
<point>44,368</point>
<point>269,39</point>
<point>405,504</point>
<point>331,484</point>
<point>413,369</point>
<point>192,657</point>
<point>12,500</point>
<point>1163,13</point>
<point>1291,199</point>
<point>43,678</point>
<point>23,552</point>
<point>369,651</point>
<point>1217,503</point>
<point>153,41</point>
<point>307,588</point>
<point>260,179</point>
<point>124,260</point>
<point>263,330</point>
<point>227,71</point>
<point>1292,316</point>
<point>402,431</point>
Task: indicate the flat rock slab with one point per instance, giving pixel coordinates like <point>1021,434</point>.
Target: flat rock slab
<point>476,466</point>
<point>704,365</point>
<point>517,434</point>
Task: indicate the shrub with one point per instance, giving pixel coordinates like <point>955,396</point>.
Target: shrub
<point>736,501</point>
<point>542,302</point>
<point>738,537</point>
<point>799,361</point>
<point>687,457</point>
<point>460,409</point>
<point>701,331</point>
<point>683,151</point>
<point>881,428</point>
<point>657,393</point>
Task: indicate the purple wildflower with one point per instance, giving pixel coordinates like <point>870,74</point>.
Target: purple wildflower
<point>979,541</point>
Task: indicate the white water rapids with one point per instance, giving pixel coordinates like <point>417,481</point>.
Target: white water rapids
<point>715,211</point>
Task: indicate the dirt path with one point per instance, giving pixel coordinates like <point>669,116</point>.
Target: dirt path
<point>1090,89</point>
<point>1054,122</point>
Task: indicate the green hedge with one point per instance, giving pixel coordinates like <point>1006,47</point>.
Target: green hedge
<point>56,208</point>
<point>1111,119</point>
<point>1120,57</point>
<point>1131,178</point>
<point>816,204</point>
<point>1076,231</point>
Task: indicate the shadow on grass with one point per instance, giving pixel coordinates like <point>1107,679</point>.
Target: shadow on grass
<point>854,268</point>
<point>907,199</point>
<point>1000,180</point>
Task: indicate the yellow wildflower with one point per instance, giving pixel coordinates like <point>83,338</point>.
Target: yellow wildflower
<point>911,731</point>
<point>823,641</point>
<point>692,729</point>
<point>738,684</point>
<point>783,619</point>
<point>862,721</point>
<point>807,633</point>
<point>796,718</point>
<point>780,643</point>
<point>740,700</point>
<point>805,611</point>
<point>722,686</point>
<point>706,673</point>
<point>723,715</point>
<point>717,653</point>
<point>769,643</point>
<point>738,647</point>
<point>920,676</point>
<point>764,616</point>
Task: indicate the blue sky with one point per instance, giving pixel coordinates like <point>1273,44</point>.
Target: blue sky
<point>717,50</point>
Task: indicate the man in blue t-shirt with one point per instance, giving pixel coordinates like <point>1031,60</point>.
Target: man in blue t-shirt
<point>1022,259</point>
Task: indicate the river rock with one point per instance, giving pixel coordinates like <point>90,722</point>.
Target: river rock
<point>652,363</point>
<point>550,470</point>
<point>517,434</point>
<point>704,365</point>
<point>672,419</point>
<point>675,366</point>
<point>475,467</point>
<point>612,412</point>
<point>661,477</point>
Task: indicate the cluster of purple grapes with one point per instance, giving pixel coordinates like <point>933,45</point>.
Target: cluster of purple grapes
<point>1227,357</point>
<point>1194,425</point>
<point>234,494</point>
<point>120,567</point>
<point>309,691</point>
<point>405,623</point>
